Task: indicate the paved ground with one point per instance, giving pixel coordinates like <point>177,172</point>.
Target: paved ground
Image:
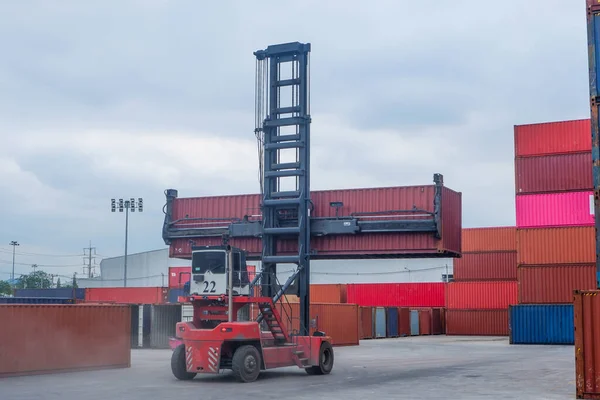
<point>435,367</point>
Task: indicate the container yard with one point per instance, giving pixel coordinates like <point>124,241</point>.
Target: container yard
<point>320,282</point>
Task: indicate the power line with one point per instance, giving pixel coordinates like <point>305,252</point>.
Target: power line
<point>39,254</point>
<point>42,265</point>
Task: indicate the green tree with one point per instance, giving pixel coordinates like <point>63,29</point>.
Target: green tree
<point>5,288</point>
<point>35,280</point>
<point>58,283</point>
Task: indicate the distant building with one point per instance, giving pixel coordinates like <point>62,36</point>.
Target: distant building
<point>151,268</point>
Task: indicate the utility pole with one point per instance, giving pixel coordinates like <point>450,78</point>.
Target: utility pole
<point>14,244</point>
<point>89,258</point>
<point>34,266</point>
<point>127,205</point>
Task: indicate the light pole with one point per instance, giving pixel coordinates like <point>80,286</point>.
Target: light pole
<point>127,205</point>
<point>14,244</point>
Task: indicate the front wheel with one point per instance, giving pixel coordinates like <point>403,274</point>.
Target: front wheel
<point>246,363</point>
<point>325,361</point>
<point>178,366</point>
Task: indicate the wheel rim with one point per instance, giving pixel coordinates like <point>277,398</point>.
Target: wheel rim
<point>250,363</point>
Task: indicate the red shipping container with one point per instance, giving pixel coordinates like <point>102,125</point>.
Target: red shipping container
<point>486,266</point>
<point>555,173</point>
<point>366,322</point>
<point>555,209</point>
<point>568,245</point>
<point>127,295</point>
<point>436,321</point>
<point>481,295</point>
<point>554,283</point>
<point>553,138</point>
<point>403,321</point>
<point>397,294</point>
<point>476,240</point>
<point>179,276</point>
<point>477,322</point>
<point>51,338</point>
<point>356,201</point>
<point>586,312</point>
<point>425,322</point>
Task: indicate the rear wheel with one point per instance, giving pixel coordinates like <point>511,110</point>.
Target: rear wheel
<point>178,366</point>
<point>246,363</point>
<point>325,361</point>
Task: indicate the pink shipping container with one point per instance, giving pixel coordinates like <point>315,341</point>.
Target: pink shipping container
<point>481,295</point>
<point>553,138</point>
<point>397,294</point>
<point>355,201</point>
<point>553,173</point>
<point>555,209</point>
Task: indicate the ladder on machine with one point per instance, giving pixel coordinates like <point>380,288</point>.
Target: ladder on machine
<point>283,123</point>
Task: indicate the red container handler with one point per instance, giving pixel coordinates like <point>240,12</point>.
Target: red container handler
<point>477,322</point>
<point>553,173</point>
<point>482,295</point>
<point>486,266</point>
<point>559,137</point>
<point>586,310</point>
<point>397,294</point>
<point>355,201</point>
<point>549,284</point>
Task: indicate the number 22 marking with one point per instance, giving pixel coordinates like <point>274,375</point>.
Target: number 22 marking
<point>207,284</point>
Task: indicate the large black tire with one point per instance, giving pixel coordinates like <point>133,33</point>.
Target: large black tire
<point>178,364</point>
<point>325,361</point>
<point>246,363</point>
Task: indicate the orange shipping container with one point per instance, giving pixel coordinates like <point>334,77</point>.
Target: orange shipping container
<point>586,313</point>
<point>366,322</point>
<point>566,245</point>
<point>38,339</point>
<point>476,240</point>
<point>322,293</point>
<point>340,321</point>
<point>127,295</point>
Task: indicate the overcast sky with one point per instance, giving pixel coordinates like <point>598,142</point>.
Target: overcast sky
<point>103,99</point>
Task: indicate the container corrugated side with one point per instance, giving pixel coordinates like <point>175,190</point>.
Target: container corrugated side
<point>38,339</point>
<point>404,321</point>
<point>553,173</point>
<point>541,324</point>
<point>366,322</point>
<point>553,138</point>
<point>555,209</point>
<point>586,315</point>
<point>164,318</point>
<point>127,295</point>
<point>179,276</point>
<point>355,201</point>
<point>493,239</point>
<point>78,293</point>
<point>328,293</point>
<point>477,322</point>
<point>397,294</point>
<point>554,283</point>
<point>339,321</point>
<point>566,245</point>
<point>486,266</point>
<point>35,300</point>
<point>481,295</point>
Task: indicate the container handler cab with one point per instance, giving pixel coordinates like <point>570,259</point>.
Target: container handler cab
<point>219,337</point>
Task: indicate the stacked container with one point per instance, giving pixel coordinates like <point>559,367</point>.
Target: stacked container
<point>555,227</point>
<point>485,283</point>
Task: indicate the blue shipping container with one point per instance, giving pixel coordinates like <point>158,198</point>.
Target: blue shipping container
<point>35,300</point>
<point>392,321</point>
<point>541,324</point>
<point>380,325</point>
<point>414,322</point>
<point>174,294</point>
<point>61,292</point>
